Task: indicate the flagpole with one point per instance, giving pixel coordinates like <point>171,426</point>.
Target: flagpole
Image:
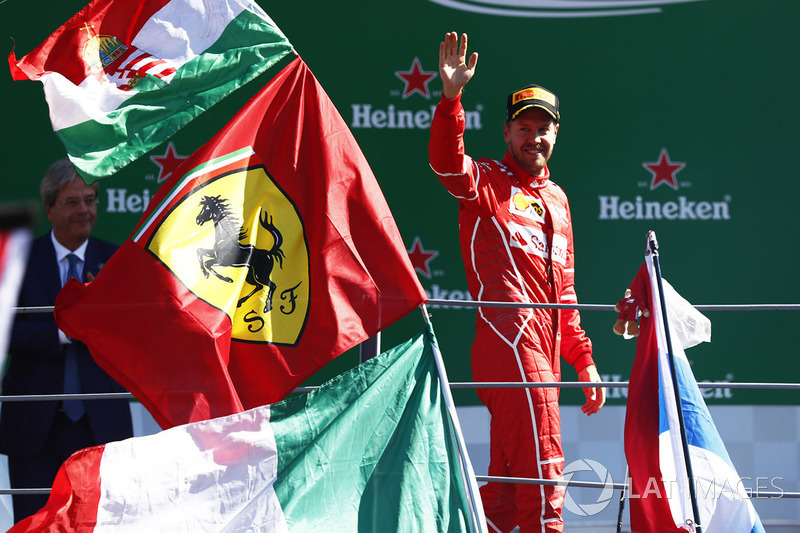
<point>651,239</point>
<point>621,514</point>
<point>472,485</point>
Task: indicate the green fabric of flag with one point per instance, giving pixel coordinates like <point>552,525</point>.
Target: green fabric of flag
<point>122,76</point>
<point>374,450</point>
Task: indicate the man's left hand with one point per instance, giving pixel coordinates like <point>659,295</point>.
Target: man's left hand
<point>595,396</point>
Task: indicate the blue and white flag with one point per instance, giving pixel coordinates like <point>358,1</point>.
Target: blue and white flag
<point>660,496</point>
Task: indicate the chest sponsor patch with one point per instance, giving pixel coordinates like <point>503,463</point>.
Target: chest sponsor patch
<point>536,242</point>
<point>526,205</point>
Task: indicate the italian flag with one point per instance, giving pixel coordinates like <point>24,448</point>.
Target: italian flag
<point>122,76</point>
<point>375,449</point>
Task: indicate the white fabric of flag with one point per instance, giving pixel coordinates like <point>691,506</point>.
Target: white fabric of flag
<point>122,76</point>
<point>723,503</point>
<point>371,450</point>
<point>14,246</point>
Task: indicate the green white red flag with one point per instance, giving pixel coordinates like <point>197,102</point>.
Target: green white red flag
<point>372,450</point>
<point>269,252</point>
<point>122,76</point>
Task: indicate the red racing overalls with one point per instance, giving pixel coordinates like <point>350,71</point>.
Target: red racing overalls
<point>516,242</point>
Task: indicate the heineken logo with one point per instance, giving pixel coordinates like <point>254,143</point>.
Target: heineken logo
<point>168,162</point>
<point>413,107</point>
<point>421,258</point>
<point>237,242</point>
<point>617,208</point>
<point>416,80</point>
<point>663,171</point>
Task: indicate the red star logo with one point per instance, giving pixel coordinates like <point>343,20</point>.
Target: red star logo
<point>664,171</point>
<point>168,162</point>
<point>421,257</point>
<point>416,80</point>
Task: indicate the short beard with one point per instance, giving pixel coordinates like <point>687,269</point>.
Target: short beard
<point>534,167</point>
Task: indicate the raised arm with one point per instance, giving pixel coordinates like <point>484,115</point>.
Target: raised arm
<point>453,67</point>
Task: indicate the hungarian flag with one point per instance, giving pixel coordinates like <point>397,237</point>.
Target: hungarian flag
<point>269,252</point>
<point>121,76</point>
<point>659,492</point>
<point>16,230</point>
<point>372,450</point>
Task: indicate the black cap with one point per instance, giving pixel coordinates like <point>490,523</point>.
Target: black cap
<point>532,96</point>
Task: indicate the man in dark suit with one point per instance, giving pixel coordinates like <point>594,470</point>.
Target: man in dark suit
<point>38,436</point>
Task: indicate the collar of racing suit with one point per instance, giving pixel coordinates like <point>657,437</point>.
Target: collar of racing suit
<point>523,177</point>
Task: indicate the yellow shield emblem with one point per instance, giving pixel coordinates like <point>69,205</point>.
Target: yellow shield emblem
<point>237,242</point>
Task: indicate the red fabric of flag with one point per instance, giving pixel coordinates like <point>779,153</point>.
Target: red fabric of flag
<point>649,506</point>
<point>73,501</point>
<point>100,17</point>
<point>268,253</point>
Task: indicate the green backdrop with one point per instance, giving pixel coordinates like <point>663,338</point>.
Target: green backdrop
<point>706,86</point>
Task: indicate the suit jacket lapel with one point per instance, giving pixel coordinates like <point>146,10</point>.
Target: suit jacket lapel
<point>93,261</point>
<point>43,263</point>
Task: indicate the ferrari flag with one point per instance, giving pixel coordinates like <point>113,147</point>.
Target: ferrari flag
<point>659,495</point>
<point>372,450</point>
<point>121,76</point>
<point>269,252</point>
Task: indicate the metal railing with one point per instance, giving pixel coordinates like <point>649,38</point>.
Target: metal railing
<point>475,385</point>
<point>453,385</point>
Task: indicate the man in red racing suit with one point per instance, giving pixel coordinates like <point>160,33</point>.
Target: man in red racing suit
<point>516,240</point>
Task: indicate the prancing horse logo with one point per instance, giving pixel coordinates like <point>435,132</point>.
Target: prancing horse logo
<point>228,250</point>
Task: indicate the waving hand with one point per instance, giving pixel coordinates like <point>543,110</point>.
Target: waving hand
<point>453,67</point>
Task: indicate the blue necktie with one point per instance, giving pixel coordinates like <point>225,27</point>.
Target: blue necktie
<point>72,381</point>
